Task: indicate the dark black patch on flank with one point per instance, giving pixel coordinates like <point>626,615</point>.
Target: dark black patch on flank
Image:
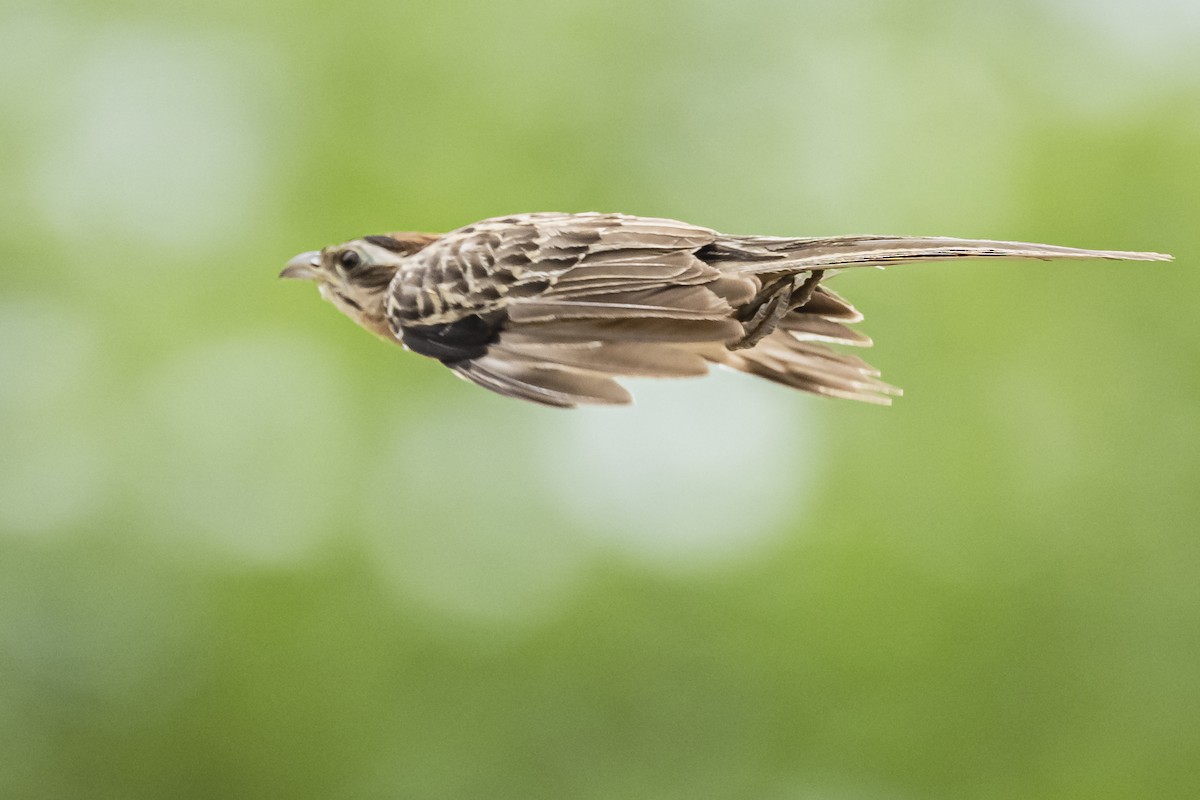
<point>388,243</point>
<point>457,341</point>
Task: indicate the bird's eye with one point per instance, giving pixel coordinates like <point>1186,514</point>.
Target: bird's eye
<point>349,259</point>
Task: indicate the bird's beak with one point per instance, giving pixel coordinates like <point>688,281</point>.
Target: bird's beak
<point>303,267</point>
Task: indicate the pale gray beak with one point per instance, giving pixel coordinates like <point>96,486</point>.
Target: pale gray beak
<point>303,267</point>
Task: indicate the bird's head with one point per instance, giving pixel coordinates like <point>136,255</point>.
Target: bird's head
<point>354,276</point>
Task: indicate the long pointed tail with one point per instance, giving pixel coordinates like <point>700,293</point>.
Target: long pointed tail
<point>791,347</point>
<point>767,254</point>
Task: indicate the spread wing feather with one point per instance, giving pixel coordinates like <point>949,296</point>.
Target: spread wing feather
<point>630,329</point>
<point>542,383</point>
<point>612,358</point>
<point>672,302</point>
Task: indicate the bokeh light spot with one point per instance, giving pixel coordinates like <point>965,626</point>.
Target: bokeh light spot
<point>240,438</point>
<point>696,474</point>
<point>163,141</point>
<point>51,474</point>
<point>460,522</point>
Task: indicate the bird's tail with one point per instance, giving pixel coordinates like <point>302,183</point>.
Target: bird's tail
<point>788,344</point>
<point>769,254</point>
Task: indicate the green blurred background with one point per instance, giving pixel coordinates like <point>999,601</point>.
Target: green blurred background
<point>248,551</point>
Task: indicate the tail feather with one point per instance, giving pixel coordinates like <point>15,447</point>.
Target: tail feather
<point>806,327</point>
<point>795,352</point>
<point>827,303</point>
<point>812,367</point>
<point>768,254</point>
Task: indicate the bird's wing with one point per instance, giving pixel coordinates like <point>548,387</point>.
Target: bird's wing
<point>551,307</point>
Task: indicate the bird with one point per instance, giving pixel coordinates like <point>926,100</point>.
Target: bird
<point>554,307</point>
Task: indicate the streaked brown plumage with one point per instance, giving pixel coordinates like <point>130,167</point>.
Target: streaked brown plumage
<point>553,307</point>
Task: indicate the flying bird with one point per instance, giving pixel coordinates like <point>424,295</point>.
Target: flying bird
<point>554,307</point>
